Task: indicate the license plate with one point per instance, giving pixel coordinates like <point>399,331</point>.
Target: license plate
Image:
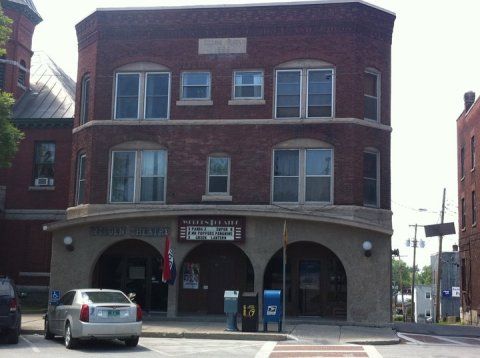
<point>113,313</point>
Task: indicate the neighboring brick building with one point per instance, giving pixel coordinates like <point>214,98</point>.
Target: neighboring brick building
<point>468,134</point>
<point>34,190</point>
<point>216,124</point>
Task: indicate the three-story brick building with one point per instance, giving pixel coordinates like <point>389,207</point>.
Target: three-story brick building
<point>214,125</point>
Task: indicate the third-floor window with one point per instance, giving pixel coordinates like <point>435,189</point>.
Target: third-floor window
<point>304,93</point>
<point>142,95</point>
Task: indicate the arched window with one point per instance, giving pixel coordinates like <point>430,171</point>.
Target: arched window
<point>142,91</point>
<point>304,89</point>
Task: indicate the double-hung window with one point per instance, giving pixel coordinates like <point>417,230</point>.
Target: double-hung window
<point>248,85</point>
<point>142,95</point>
<point>302,175</point>
<point>80,188</point>
<point>372,95</point>
<point>304,93</point>
<point>85,99</point>
<point>44,167</point>
<point>370,178</point>
<point>138,176</point>
<point>218,175</point>
<point>196,86</point>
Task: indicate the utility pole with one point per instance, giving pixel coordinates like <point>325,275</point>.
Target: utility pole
<point>413,273</point>
<point>439,264</point>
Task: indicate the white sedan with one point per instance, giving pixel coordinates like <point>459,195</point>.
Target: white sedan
<point>94,313</point>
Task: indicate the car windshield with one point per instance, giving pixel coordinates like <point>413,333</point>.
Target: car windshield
<point>104,297</point>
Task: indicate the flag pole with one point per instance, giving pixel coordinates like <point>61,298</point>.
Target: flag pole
<point>285,239</point>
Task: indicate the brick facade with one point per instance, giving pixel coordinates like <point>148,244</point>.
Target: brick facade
<point>349,38</point>
<point>469,235</point>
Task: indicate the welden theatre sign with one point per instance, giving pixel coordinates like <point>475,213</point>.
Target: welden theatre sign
<point>211,228</point>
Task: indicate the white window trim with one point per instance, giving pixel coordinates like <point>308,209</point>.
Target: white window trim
<point>137,177</point>
<point>234,85</point>
<point>142,91</point>
<point>145,75</point>
<point>304,73</point>
<point>377,74</point>
<point>209,87</point>
<point>86,81</point>
<point>302,177</point>
<point>221,194</point>
<point>377,155</point>
<point>81,159</point>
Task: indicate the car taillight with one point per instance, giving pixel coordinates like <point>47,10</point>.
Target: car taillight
<point>139,313</point>
<point>84,313</point>
<point>13,305</point>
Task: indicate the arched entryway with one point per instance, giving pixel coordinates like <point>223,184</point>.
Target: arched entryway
<point>315,282</point>
<point>207,272</point>
<point>133,266</point>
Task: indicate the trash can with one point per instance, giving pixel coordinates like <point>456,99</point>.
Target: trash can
<point>249,310</point>
<point>230,307</point>
<point>272,308</point>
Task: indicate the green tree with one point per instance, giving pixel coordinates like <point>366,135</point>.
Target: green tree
<point>10,136</point>
<point>401,276</point>
<point>425,276</point>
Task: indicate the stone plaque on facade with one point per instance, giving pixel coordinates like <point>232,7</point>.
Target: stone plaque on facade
<point>222,46</point>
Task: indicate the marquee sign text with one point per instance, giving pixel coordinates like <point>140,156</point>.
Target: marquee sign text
<point>211,228</point>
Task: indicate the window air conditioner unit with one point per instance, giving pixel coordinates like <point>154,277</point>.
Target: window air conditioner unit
<point>41,181</point>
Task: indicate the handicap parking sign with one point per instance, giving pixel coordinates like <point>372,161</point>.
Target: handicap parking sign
<point>55,295</point>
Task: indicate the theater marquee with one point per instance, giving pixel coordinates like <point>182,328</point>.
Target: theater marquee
<point>211,228</point>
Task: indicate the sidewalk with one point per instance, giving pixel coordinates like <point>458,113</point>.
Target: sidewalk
<point>215,328</point>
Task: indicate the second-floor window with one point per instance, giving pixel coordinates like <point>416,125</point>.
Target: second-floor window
<point>80,188</point>
<point>218,174</point>
<point>302,175</point>
<point>304,93</point>
<point>196,86</point>
<point>138,176</point>
<point>44,166</point>
<point>370,178</point>
<point>248,85</point>
<point>142,95</point>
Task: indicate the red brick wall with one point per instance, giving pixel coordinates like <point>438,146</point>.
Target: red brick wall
<point>351,36</point>
<point>19,178</point>
<point>18,48</point>
<point>469,236</point>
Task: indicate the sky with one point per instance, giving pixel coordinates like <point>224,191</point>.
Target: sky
<point>434,62</point>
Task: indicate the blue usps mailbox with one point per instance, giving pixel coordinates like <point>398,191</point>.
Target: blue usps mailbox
<point>272,308</point>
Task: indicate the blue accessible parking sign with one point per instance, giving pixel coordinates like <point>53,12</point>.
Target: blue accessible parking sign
<point>55,297</point>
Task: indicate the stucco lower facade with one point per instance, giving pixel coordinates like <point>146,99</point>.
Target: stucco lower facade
<point>327,272</point>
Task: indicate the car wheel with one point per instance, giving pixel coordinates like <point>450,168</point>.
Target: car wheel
<point>12,335</point>
<point>46,330</point>
<point>131,342</point>
<point>70,342</point>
